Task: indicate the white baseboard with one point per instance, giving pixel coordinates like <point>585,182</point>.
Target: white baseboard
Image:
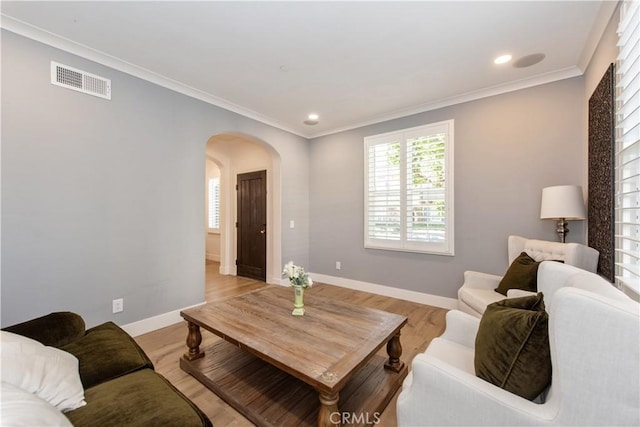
<point>167,319</point>
<point>388,291</point>
<point>227,270</point>
<point>156,322</point>
<point>279,281</point>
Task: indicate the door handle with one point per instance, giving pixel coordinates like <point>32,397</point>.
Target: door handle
<point>263,230</point>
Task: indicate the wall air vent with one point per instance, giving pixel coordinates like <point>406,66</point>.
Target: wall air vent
<point>81,81</point>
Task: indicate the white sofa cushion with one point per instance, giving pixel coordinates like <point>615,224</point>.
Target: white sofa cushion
<point>47,372</point>
<point>479,299</point>
<point>457,355</point>
<point>519,293</point>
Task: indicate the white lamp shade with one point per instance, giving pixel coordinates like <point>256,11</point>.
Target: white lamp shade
<point>562,201</point>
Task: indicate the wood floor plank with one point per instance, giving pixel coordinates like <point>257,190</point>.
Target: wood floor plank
<point>165,346</point>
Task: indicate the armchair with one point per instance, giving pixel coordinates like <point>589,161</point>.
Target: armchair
<point>594,337</point>
<point>477,290</point>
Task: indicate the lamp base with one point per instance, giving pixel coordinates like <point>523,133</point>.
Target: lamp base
<point>562,229</point>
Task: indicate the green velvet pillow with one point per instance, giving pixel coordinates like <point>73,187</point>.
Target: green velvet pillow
<point>106,352</point>
<point>54,329</point>
<point>522,274</point>
<point>512,346</point>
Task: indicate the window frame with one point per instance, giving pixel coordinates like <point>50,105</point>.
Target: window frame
<point>404,136</point>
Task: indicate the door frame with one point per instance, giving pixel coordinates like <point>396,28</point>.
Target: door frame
<point>228,208</point>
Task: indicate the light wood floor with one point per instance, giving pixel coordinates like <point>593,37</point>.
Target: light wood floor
<point>165,346</point>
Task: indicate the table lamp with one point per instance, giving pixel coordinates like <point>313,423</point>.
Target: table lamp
<point>562,203</point>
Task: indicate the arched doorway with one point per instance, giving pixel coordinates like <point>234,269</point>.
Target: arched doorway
<point>234,154</point>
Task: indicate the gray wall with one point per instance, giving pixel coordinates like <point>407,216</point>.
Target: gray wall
<point>104,199</point>
<point>507,148</point>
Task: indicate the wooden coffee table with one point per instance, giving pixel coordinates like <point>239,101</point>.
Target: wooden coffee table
<point>273,367</point>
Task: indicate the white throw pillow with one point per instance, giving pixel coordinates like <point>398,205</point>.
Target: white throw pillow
<point>21,408</point>
<point>47,372</point>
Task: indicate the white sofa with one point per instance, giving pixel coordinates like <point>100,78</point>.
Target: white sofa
<point>594,337</point>
<point>477,290</point>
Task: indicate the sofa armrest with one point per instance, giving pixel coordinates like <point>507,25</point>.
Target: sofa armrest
<point>477,280</point>
<point>439,392</point>
<point>461,328</point>
<point>582,256</point>
<point>55,329</point>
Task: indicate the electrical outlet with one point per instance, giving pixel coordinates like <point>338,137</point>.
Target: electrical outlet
<point>118,305</point>
<point>338,265</point>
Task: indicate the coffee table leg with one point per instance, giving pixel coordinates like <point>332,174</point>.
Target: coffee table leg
<point>193,342</point>
<point>394,350</point>
<point>328,416</point>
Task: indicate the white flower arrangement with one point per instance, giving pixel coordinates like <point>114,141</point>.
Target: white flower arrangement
<point>297,276</point>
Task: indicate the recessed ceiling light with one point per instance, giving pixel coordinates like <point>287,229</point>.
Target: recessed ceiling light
<point>312,119</point>
<point>503,59</point>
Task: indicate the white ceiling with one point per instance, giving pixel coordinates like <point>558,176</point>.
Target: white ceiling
<point>353,63</point>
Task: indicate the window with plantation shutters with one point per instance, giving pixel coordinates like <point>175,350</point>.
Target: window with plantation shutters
<point>214,204</point>
<point>409,190</point>
<point>627,157</point>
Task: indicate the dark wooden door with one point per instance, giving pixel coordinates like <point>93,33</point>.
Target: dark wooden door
<point>252,225</point>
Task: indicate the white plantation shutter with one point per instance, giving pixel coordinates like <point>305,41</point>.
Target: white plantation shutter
<point>409,190</point>
<point>627,157</point>
<point>383,201</point>
<point>425,187</point>
<point>214,203</point>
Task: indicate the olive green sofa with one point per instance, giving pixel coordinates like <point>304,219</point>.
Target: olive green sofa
<point>120,385</point>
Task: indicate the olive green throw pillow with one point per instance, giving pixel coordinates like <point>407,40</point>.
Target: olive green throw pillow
<point>106,352</point>
<point>522,274</point>
<point>512,346</point>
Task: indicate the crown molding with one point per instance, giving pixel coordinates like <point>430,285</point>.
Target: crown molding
<point>43,36</point>
<point>38,34</point>
<point>607,9</point>
<point>541,79</point>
